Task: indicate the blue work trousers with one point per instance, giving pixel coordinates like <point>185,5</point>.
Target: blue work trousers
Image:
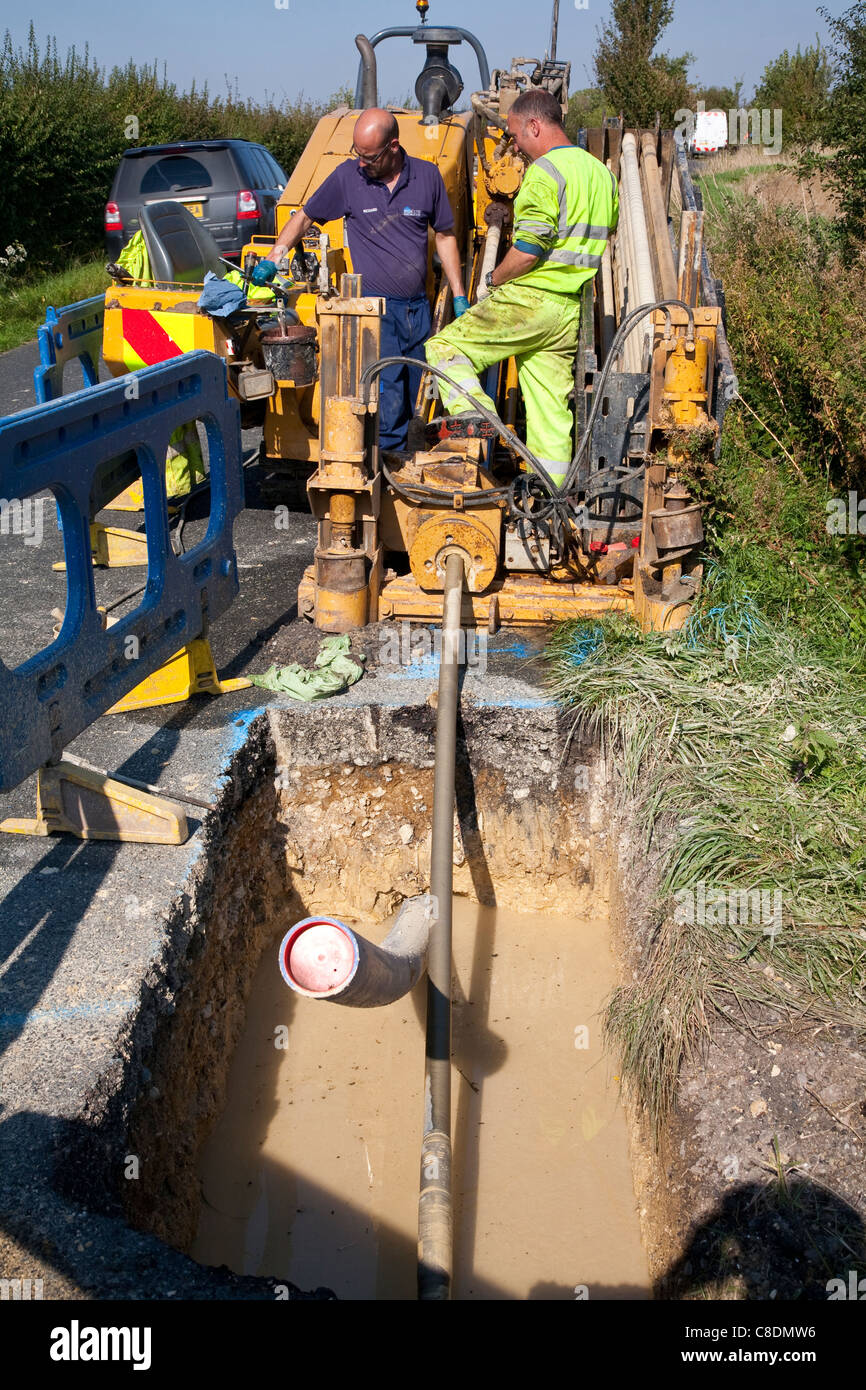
<point>405,330</point>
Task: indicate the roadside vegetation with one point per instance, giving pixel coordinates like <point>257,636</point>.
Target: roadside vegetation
<point>740,749</point>
<point>25,300</point>
<point>64,123</point>
<point>741,741</point>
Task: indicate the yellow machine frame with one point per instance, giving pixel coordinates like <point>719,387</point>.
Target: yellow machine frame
<point>328,425</point>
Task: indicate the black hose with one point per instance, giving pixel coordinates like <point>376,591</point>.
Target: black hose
<point>598,388</point>
<point>489,415</point>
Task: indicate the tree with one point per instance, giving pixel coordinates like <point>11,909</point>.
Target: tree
<point>721,98</point>
<point>634,78</point>
<point>842,131</point>
<point>797,84</point>
<point>586,108</point>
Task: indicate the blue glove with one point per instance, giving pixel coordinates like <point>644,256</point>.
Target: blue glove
<point>461,304</point>
<point>264,273</point>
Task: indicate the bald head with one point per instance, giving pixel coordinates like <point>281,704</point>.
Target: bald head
<point>374,128</point>
<point>377,143</point>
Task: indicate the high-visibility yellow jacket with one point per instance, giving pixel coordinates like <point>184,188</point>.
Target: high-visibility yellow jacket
<point>564,213</point>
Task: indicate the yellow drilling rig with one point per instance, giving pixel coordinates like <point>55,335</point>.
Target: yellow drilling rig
<point>650,387</point>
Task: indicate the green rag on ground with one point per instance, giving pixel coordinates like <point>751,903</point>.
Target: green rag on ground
<point>334,671</point>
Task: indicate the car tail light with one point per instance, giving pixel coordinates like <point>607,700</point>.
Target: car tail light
<point>112,218</point>
<point>247,205</point>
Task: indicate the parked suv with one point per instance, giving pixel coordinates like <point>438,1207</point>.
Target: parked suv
<point>231,185</point>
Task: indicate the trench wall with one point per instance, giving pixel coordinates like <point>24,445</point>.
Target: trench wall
<point>332,813</point>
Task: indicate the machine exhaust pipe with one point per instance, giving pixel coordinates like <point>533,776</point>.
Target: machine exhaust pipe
<point>322,958</point>
<point>369,81</point>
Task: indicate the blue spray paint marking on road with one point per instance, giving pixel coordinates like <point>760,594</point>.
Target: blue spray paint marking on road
<point>515,703</point>
<point>506,702</point>
<point>238,728</point>
<point>512,648</point>
<point>424,670</point>
<point>105,1006</point>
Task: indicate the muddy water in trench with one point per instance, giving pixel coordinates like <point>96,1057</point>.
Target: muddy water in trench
<point>311,1173</point>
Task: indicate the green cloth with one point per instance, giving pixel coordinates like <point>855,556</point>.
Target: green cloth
<point>334,671</point>
<point>255,293</point>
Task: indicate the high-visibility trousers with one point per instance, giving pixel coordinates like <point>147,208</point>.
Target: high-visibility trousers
<point>184,464</point>
<point>541,330</point>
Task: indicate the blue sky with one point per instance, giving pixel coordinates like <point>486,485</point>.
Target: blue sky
<point>309,48</point>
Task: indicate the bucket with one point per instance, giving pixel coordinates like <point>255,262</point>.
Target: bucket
<point>291,353</point>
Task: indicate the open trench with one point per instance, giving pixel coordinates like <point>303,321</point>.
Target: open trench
<point>280,1136</point>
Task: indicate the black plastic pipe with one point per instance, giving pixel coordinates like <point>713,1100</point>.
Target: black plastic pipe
<point>435,1220</point>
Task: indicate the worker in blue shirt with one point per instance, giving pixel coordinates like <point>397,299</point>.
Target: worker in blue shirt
<point>389,199</point>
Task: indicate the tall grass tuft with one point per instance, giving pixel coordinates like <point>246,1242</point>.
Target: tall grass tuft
<point>740,743</point>
<point>740,751</point>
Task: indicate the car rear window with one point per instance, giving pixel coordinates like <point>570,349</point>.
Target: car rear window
<point>148,174</point>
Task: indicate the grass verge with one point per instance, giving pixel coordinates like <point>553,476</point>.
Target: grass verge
<point>741,752</point>
<point>741,742</point>
<point>25,304</point>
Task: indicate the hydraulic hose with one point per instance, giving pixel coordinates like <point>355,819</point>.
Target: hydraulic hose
<point>622,333</point>
<point>435,1217</point>
<point>489,415</point>
<point>487,113</point>
<point>556,501</point>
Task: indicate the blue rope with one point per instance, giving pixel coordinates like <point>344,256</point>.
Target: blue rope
<point>585,644</point>
<point>727,621</point>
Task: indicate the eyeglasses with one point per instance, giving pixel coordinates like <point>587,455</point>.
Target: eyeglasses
<point>366,158</point>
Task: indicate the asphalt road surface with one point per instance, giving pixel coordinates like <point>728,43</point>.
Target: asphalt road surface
<point>83,923</point>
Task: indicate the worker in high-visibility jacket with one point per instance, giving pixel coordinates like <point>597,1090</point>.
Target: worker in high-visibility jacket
<point>529,308</point>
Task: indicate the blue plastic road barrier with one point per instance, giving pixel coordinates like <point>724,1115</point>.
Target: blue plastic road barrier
<point>75,331</point>
<point>67,446</point>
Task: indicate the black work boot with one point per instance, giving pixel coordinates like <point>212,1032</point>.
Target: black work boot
<point>469,424</point>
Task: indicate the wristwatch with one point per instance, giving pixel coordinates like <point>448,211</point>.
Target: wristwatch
<point>488,280</point>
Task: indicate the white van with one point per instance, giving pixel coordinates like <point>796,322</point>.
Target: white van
<point>711,133</point>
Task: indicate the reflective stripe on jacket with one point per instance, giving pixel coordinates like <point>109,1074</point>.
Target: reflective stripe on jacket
<point>564,213</point>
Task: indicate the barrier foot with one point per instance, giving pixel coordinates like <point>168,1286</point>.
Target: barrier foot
<point>191,671</point>
<point>130,500</point>
<point>93,805</point>
<point>113,547</point>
